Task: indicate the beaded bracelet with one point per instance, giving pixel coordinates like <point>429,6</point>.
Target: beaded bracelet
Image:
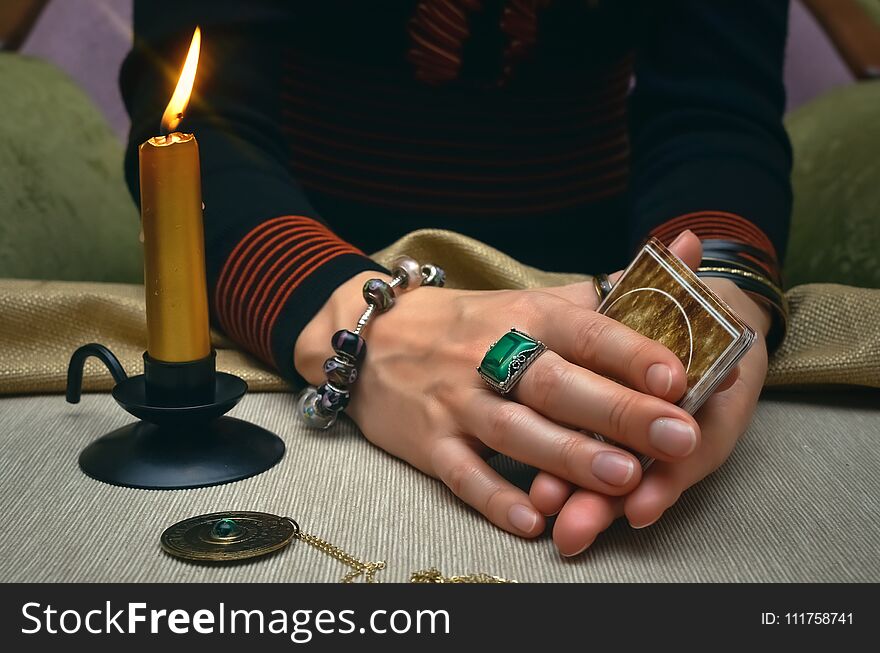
<point>319,407</point>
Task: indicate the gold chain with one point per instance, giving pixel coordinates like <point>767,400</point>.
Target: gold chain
<point>358,567</point>
<point>368,569</point>
<point>433,575</point>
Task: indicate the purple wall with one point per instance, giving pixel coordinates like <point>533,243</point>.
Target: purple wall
<point>812,65</point>
<point>88,39</point>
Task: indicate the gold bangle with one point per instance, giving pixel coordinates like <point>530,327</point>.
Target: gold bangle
<point>741,266</point>
<point>773,295</point>
<point>760,278</point>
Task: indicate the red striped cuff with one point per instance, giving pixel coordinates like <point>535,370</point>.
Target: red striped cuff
<point>263,272</point>
<point>722,226</point>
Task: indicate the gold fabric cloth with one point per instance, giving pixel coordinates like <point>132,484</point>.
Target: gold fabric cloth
<point>834,334</point>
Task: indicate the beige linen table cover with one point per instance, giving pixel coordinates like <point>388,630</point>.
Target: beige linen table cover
<point>797,501</point>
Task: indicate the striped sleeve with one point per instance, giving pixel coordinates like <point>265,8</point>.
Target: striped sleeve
<point>710,152</point>
<point>272,259</point>
<point>274,275</point>
<point>718,225</point>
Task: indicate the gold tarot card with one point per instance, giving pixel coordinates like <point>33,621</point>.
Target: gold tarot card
<point>661,298</point>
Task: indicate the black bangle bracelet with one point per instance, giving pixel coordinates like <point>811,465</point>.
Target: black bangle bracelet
<point>743,255</point>
<point>746,277</point>
<point>738,247</point>
<point>762,288</point>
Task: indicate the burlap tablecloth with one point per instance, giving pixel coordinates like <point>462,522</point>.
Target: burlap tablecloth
<point>834,335</point>
<point>797,501</point>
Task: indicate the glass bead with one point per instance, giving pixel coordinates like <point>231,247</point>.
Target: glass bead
<point>350,344</point>
<point>332,399</point>
<point>433,275</point>
<point>409,269</point>
<point>340,372</point>
<point>308,410</point>
<point>378,292</point>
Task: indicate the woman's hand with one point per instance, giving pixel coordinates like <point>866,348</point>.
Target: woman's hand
<point>420,398</point>
<point>584,513</point>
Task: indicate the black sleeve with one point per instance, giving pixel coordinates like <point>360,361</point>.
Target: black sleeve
<point>710,151</point>
<point>272,260</point>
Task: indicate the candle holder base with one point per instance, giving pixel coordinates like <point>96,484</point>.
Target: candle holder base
<point>185,445</point>
<point>149,456</point>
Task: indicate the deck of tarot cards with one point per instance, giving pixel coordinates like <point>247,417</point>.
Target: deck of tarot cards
<point>661,298</point>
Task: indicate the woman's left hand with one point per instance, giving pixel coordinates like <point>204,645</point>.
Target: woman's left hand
<point>583,514</point>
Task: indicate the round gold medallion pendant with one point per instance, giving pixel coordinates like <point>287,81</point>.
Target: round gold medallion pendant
<point>228,536</point>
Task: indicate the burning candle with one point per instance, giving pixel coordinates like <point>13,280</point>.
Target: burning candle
<point>173,234</point>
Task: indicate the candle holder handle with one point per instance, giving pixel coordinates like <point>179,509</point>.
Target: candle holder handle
<point>78,361</point>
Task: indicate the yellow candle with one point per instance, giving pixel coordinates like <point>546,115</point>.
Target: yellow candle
<point>173,234</point>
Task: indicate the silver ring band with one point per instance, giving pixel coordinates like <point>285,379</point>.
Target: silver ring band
<point>602,284</point>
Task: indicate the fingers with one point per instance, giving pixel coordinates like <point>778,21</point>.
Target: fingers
<point>473,481</point>
<point>660,493</point>
<point>549,493</point>
<point>686,246</point>
<point>729,380</point>
<point>581,293</point>
<point>584,516</point>
<point>572,395</point>
<point>724,418</point>
<point>525,435</point>
<point>609,348</point>
<point>664,484</point>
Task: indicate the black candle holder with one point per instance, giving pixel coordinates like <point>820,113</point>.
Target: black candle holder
<point>181,439</point>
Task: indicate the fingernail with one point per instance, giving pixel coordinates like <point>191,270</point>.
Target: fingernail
<point>679,237</point>
<point>576,553</point>
<point>653,521</point>
<point>613,468</point>
<point>522,518</point>
<point>659,379</point>
<point>672,436</point>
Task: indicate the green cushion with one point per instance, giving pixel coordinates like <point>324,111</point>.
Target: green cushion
<point>872,8</point>
<point>65,212</point>
<point>835,233</point>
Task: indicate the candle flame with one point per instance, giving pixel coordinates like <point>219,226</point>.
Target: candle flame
<point>177,105</point>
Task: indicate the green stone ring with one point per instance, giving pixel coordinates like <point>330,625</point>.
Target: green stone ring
<point>508,358</point>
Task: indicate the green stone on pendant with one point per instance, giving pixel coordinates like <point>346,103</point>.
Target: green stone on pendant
<point>225,528</point>
<point>496,362</point>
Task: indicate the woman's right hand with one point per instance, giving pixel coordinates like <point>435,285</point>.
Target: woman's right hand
<point>419,397</point>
